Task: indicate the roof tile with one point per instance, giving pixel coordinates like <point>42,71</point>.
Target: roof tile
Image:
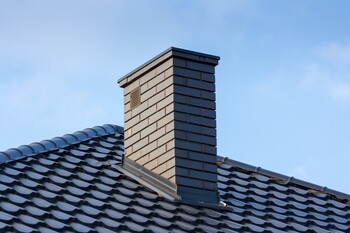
<point>73,186</point>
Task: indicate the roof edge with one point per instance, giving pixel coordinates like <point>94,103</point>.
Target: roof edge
<point>288,179</point>
<point>59,142</point>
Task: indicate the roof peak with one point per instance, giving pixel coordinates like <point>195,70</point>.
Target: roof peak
<point>59,142</point>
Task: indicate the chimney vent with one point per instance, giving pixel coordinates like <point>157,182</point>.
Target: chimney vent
<point>170,123</point>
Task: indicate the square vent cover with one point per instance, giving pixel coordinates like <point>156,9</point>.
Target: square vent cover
<point>135,98</point>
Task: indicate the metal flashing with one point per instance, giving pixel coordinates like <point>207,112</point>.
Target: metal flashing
<point>155,182</point>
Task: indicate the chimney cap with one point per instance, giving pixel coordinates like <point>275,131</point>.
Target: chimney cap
<point>170,52</point>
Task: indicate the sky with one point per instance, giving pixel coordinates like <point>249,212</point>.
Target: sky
<point>282,84</point>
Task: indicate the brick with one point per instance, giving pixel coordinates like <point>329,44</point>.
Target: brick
<point>138,109</point>
<point>208,95</point>
<point>209,158</point>
<point>208,77</point>
<point>127,116</point>
<point>139,126</point>
<point>207,196</point>
<point>209,149</point>
<point>155,117</point>
<point>169,173</point>
<point>139,144</point>
<point>201,67</point>
<point>179,62</point>
<point>148,94</point>
<point>170,163</point>
<point>210,186</point>
<point>196,165</point>
<point>173,179</point>
<point>126,98</point>
<point>135,155</point>
<point>133,121</point>
<point>143,160</point>
<point>179,107</point>
<point>155,81</point>
<point>202,139</point>
<point>191,146</point>
<point>134,138</point>
<point>169,127</point>
<point>149,147</point>
<point>160,168</point>
<point>165,102</point>
<point>148,76</point>
<point>198,84</point>
<point>183,90</point>
<point>127,107</point>
<point>148,112</point>
<point>128,151</point>
<point>164,84</point>
<point>166,65</point>
<point>165,120</point>
<point>189,182</point>
<point>169,72</point>
<point>178,125</point>
<point>202,121</point>
<point>157,134</point>
<point>148,130</point>
<point>170,145</point>
<point>210,167</point>
<point>187,73</point>
<point>157,152</point>
<point>131,86</point>
<point>162,137</point>
<point>203,175</point>
<point>179,116</point>
<point>209,104</point>
<point>165,157</point>
<point>156,98</point>
<point>152,165</point>
<point>169,90</point>
<point>169,109</point>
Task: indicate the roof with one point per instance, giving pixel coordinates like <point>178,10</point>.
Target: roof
<point>73,184</point>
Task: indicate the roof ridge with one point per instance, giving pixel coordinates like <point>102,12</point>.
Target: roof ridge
<point>288,179</point>
<point>59,142</point>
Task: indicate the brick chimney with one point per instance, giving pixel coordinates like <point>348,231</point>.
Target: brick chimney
<point>170,125</point>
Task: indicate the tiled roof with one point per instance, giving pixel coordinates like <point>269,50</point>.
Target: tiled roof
<point>71,184</point>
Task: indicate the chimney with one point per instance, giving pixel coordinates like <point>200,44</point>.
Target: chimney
<point>170,125</point>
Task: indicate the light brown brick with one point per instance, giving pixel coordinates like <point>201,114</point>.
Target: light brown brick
<point>148,94</point>
<point>156,98</point>
<point>148,112</point>
<point>148,130</point>
<point>157,134</point>
<point>155,117</point>
<point>157,152</point>
<point>165,102</point>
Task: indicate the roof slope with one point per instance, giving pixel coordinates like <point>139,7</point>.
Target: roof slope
<point>75,186</point>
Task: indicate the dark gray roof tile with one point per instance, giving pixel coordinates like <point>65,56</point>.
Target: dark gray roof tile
<point>19,227</point>
<point>73,186</point>
<point>99,195</point>
<point>56,225</point>
<point>134,227</point>
<point>90,210</point>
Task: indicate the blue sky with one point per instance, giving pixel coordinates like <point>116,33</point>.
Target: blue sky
<point>283,82</point>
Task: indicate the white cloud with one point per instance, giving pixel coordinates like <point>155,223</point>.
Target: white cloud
<point>329,71</point>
